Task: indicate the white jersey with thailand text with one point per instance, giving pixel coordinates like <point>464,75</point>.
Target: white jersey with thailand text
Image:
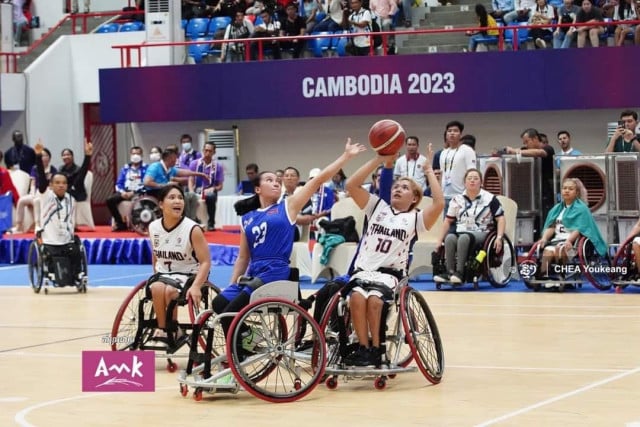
<point>172,248</point>
<point>388,236</point>
<point>57,218</point>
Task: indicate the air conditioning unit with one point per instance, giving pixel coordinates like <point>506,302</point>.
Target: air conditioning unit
<point>163,24</point>
<point>624,191</point>
<point>226,142</point>
<point>591,170</point>
<point>522,180</point>
<point>492,176</point>
<point>6,29</point>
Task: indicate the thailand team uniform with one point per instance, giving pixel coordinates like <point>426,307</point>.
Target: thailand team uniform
<point>269,233</point>
<point>175,258</point>
<point>58,217</point>
<point>384,253</point>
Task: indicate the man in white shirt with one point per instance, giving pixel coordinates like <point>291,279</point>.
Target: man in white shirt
<point>523,11</point>
<point>412,163</point>
<point>455,161</point>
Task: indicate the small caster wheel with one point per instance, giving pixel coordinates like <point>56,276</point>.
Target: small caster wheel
<point>438,286</point>
<point>380,383</point>
<point>184,390</point>
<point>172,366</point>
<point>46,291</point>
<point>392,376</point>
<point>619,289</point>
<point>476,286</point>
<point>297,384</point>
<point>331,383</point>
<point>561,288</point>
<point>197,395</point>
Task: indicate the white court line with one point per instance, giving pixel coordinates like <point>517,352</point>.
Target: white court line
<point>21,419</point>
<point>13,399</point>
<point>558,398</point>
<point>13,267</point>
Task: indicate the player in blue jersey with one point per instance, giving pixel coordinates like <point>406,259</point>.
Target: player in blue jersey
<point>267,235</point>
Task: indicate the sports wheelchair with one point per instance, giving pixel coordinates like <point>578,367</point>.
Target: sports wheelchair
<point>584,264</point>
<point>135,323</point>
<point>497,268</point>
<point>409,332</point>
<point>51,265</point>
<point>625,269</point>
<point>264,352</point>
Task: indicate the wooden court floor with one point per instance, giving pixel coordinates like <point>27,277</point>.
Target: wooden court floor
<point>512,359</point>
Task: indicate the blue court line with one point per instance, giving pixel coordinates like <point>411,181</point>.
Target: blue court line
<point>130,275</point>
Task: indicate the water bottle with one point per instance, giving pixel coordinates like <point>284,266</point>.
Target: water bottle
<point>482,254</point>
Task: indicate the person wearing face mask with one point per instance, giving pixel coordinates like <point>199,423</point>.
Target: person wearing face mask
<point>155,154</point>
<point>129,184</point>
<point>189,154</point>
<point>20,154</point>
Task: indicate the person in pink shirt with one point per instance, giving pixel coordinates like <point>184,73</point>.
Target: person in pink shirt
<point>383,11</point>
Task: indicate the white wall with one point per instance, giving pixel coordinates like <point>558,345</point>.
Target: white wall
<point>52,11</point>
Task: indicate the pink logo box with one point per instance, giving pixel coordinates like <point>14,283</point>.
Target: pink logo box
<point>118,371</point>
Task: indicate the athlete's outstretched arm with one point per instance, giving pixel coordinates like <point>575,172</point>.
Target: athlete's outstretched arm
<point>355,181</point>
<point>296,202</point>
<point>431,213</point>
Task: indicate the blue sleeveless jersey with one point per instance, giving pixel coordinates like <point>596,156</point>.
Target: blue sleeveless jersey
<point>269,235</point>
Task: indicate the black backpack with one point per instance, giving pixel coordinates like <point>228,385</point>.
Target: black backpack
<point>345,227</point>
<point>375,28</point>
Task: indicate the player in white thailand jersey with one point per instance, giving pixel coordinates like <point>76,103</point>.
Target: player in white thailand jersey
<point>384,250</point>
<point>180,254</point>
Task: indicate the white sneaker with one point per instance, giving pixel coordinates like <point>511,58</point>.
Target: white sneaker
<point>441,278</point>
<point>455,278</point>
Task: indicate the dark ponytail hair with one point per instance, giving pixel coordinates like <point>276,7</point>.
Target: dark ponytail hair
<point>250,203</point>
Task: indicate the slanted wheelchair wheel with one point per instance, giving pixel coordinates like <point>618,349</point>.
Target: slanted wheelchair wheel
<point>35,266</point>
<point>422,334</point>
<point>209,292</point>
<point>499,267</point>
<point>625,259</point>
<point>274,370</point>
<point>126,332</point>
<point>398,349</point>
<point>530,266</point>
<point>336,328</point>
<point>144,210</point>
<point>595,267</point>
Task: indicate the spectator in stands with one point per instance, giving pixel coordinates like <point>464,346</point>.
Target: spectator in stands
<point>626,11</point>
<point>20,154</point>
<point>254,7</point>
<point>75,9</point>
<point>279,174</point>
<point>359,22</point>
<point>267,28</point>
<point>240,28</point>
<point>384,11</point>
<point>251,170</point>
<point>589,13</point>
<point>155,154</point>
<point>624,138</point>
<point>189,154</point>
<point>293,25</point>
<point>76,175</point>
<point>321,201</point>
<point>521,13</point>
<point>128,184</point>
<point>162,173</point>
<point>338,182</point>
<point>28,200</point>
<point>333,21</point>
<point>567,14</point>
<point>412,164</point>
<point>6,184</point>
<point>406,12</point>
<point>436,157</point>
<point>20,22</point>
<point>469,140</point>
<point>310,10</point>
<point>484,20</point>
<point>533,147</point>
<point>564,141</point>
<point>455,161</point>
<point>501,8</point>
<point>208,189</point>
<point>543,14</point>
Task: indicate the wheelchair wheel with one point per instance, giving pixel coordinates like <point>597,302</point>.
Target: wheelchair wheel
<point>209,292</point>
<point>126,333</point>
<point>624,259</point>
<point>84,266</point>
<point>144,210</point>
<point>591,261</point>
<point>273,369</point>
<point>336,329</point>
<point>530,266</point>
<point>398,350</point>
<point>499,267</point>
<point>35,266</point>
<point>422,334</point>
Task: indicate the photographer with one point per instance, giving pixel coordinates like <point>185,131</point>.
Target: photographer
<point>359,22</point>
<point>268,28</point>
<point>240,28</point>
<point>563,36</point>
<point>624,138</point>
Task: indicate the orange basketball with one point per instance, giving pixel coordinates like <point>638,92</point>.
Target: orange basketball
<point>386,137</point>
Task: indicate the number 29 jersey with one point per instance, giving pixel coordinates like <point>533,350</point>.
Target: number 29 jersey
<point>388,236</point>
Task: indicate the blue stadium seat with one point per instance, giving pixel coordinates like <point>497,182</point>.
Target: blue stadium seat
<point>200,51</point>
<point>488,40</point>
<point>320,16</point>
<point>132,26</point>
<point>339,44</point>
<point>523,35</point>
<point>111,27</point>
<point>184,24</point>
<point>320,45</point>
<point>217,23</point>
<point>197,27</point>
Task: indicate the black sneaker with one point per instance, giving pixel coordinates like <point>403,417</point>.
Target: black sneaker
<point>357,357</point>
<point>375,356</point>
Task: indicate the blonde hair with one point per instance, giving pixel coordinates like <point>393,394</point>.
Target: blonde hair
<point>415,188</point>
<point>580,189</point>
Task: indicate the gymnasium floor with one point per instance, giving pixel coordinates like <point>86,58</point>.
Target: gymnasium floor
<point>513,358</point>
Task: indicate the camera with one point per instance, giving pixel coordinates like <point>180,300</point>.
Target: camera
<point>620,123</point>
